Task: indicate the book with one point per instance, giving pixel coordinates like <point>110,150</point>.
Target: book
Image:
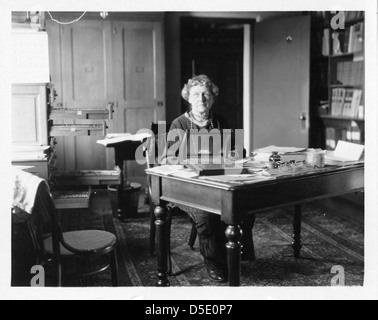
<point>215,169</point>
<point>357,94</point>
<point>340,101</point>
<point>325,44</point>
<point>347,110</point>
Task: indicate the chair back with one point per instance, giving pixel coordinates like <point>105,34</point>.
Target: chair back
<point>44,223</point>
<point>159,141</point>
<point>155,126</point>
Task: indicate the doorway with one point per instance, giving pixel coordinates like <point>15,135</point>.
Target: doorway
<point>215,47</point>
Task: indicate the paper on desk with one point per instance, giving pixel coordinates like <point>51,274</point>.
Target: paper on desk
<point>242,178</point>
<point>166,169</point>
<point>184,173</point>
<point>280,150</point>
<point>287,153</point>
<point>345,152</point>
<point>112,138</point>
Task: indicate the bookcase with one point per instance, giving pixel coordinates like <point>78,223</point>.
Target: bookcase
<point>343,113</point>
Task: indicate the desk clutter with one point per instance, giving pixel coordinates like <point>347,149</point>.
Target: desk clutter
<point>269,163</point>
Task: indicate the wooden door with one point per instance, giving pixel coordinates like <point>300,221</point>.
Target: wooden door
<point>215,48</point>
<point>86,82</point>
<point>139,85</point>
<point>281,82</point>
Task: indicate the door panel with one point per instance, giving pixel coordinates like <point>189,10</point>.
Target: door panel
<point>281,82</point>
<point>87,83</point>
<point>139,88</point>
<point>29,107</point>
<point>139,70</point>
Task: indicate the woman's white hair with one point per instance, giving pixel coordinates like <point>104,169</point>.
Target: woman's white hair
<point>201,80</point>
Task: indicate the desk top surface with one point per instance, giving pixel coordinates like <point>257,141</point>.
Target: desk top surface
<point>251,180</point>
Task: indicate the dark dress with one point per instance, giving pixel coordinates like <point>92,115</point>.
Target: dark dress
<point>211,230</point>
<point>185,125</point>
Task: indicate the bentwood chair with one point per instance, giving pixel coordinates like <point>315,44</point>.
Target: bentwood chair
<point>152,160</point>
<point>84,249</point>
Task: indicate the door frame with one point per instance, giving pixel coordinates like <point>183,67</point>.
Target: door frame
<point>248,27</point>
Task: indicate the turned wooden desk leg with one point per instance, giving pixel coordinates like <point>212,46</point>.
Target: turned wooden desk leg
<point>162,246</point>
<point>233,234</point>
<point>296,244</point>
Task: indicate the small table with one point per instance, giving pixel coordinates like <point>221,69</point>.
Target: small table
<point>123,151</point>
<point>233,203</point>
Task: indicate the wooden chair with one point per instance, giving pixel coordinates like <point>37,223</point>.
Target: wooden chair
<point>54,247</point>
<point>160,143</point>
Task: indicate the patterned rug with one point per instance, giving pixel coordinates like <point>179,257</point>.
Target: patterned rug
<point>328,240</point>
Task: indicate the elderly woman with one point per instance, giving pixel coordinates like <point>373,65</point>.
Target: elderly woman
<point>200,92</point>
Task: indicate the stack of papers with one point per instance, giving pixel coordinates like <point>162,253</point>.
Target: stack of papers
<point>20,153</point>
<point>238,179</point>
<point>286,153</point>
<point>165,169</point>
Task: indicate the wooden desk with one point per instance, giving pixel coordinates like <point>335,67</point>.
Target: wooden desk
<point>234,202</point>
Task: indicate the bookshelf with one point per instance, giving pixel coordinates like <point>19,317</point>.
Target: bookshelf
<point>343,113</point>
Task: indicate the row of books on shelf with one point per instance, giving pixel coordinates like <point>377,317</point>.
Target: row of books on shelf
<point>344,41</point>
<point>347,103</point>
<point>352,134</point>
<point>349,73</point>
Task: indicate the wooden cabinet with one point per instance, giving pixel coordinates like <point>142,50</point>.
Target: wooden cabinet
<point>29,115</point>
<point>343,114</point>
<point>30,129</point>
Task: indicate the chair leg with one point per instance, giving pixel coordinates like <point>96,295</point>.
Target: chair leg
<point>193,236</point>
<point>114,267</point>
<point>59,280</point>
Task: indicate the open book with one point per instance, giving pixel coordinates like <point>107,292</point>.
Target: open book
<point>114,138</point>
